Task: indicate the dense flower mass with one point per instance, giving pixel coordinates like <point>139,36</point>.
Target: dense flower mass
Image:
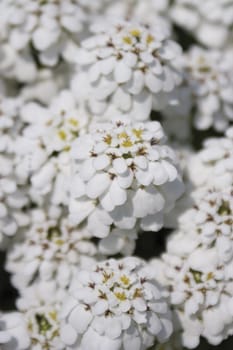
<point>115,306</point>
<point>123,175</point>
<point>116,145</point>
<point>131,68</point>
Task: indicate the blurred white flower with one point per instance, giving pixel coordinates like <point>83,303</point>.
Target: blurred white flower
<point>48,29</point>
<point>209,75</point>
<point>13,332</point>
<point>123,176</point>
<point>213,165</point>
<point>13,194</point>
<point>51,250</point>
<point>209,21</point>
<point>42,152</point>
<point>115,306</point>
<point>131,68</point>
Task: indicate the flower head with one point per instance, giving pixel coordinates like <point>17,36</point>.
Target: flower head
<point>123,175</point>
<point>116,304</point>
<point>130,67</point>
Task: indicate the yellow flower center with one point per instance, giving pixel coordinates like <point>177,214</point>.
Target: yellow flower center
<point>62,135</point>
<point>127,40</point>
<point>150,39</point>
<point>73,122</point>
<point>137,133</point>
<point>136,33</point>
<point>120,296</point>
<point>125,280</point>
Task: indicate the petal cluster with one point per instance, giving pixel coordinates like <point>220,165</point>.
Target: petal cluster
<point>130,68</point>
<point>115,306</point>
<point>123,175</point>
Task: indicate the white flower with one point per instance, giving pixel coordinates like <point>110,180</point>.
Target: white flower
<point>48,29</point>
<point>115,306</point>
<point>131,68</point>
<point>13,194</point>
<point>44,327</point>
<point>51,250</point>
<point>210,222</point>
<point>213,165</point>
<point>123,176</point>
<point>209,21</point>
<point>150,11</point>
<point>38,325</point>
<point>13,332</point>
<point>43,150</point>
<point>209,76</point>
<point>201,294</point>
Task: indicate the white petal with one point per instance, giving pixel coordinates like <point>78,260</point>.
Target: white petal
<point>120,165</point>
<point>68,334</point>
<point>142,106</point>
<point>122,73</point>
<point>125,180</point>
<point>122,100</point>
<point>152,222</point>
<point>118,195</point>
<point>77,187</point>
<point>43,38</point>
<point>147,201</point>
<point>80,318</point>
<point>97,185</point>
<point>153,83</point>
<point>101,162</point>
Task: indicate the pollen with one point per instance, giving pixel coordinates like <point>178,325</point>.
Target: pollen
<point>108,139</point>
<point>125,280</point>
<point>150,39</point>
<point>136,33</point>
<point>73,122</point>
<point>127,40</point>
<point>123,135</point>
<point>138,133</point>
<point>62,135</point>
<point>53,315</point>
<point>120,296</point>
<point>127,143</point>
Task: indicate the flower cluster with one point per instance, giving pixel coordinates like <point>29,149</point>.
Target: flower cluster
<point>131,68</point>
<point>201,292</point>
<point>116,144</point>
<point>123,175</point>
<point>116,305</point>
<point>51,250</point>
<point>42,152</point>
